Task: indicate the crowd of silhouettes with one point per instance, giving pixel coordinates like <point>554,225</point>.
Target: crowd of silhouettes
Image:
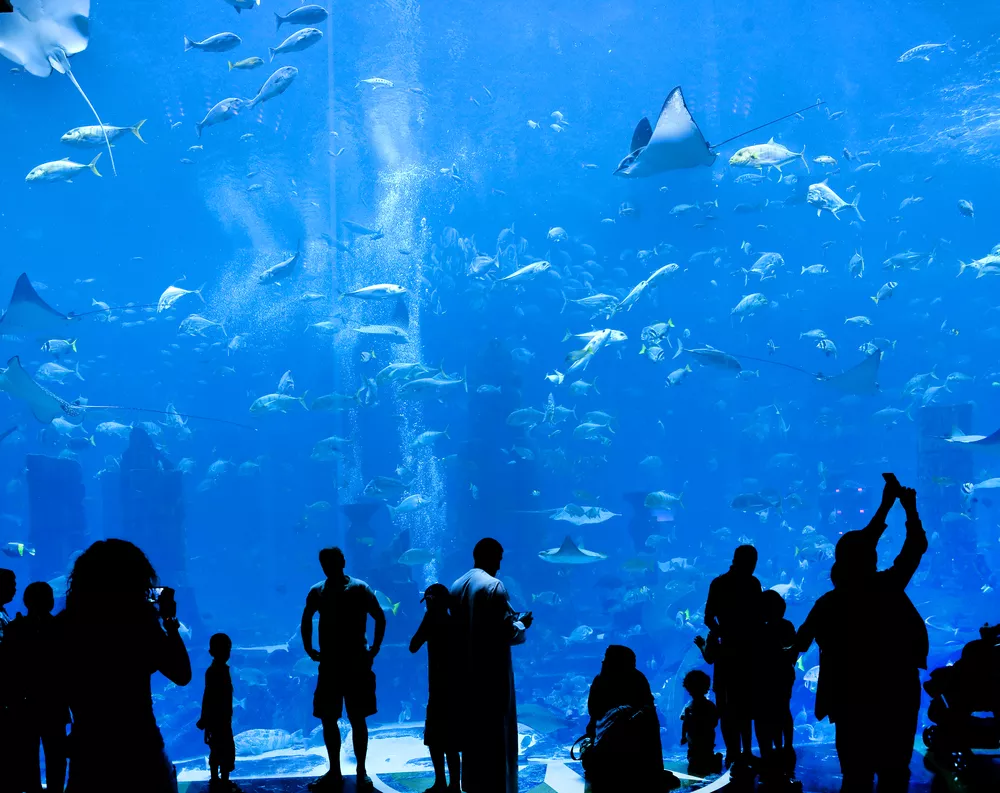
<point>122,628</point>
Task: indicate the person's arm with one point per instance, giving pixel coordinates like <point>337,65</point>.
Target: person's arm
<point>806,633</point>
<point>420,636</point>
<point>711,608</point>
<point>312,606</point>
<point>877,525</point>
<point>516,629</point>
<point>174,663</point>
<point>375,610</point>
<point>915,544</point>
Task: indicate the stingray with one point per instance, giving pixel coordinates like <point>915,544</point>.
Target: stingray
<point>570,553</point>
<point>979,441</point>
<point>676,142</point>
<point>44,405</point>
<point>28,313</point>
<point>41,35</point>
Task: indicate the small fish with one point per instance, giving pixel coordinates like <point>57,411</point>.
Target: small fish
<point>375,83</point>
<point>220,42</point>
<point>298,41</point>
<point>246,64</point>
<point>61,170</point>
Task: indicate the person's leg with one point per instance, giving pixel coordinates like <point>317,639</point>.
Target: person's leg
<point>897,731</point>
<point>359,730</point>
<point>331,737</point>
<point>54,744</point>
<point>454,769</point>
<point>857,771</point>
<point>437,760</point>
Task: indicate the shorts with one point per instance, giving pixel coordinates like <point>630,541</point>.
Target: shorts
<point>337,686</point>
<point>440,723</point>
<point>222,750</point>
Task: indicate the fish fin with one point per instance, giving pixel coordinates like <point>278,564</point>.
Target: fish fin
<point>230,65</point>
<point>395,608</point>
<point>278,19</point>
<point>93,163</point>
<point>805,162</point>
<point>568,336</point>
<point>854,206</point>
<point>197,128</point>
<point>270,51</point>
<point>641,136</point>
<point>136,128</point>
<point>594,386</point>
<point>76,371</point>
<point>188,44</point>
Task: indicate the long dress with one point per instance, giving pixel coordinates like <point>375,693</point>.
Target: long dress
<point>485,629</point>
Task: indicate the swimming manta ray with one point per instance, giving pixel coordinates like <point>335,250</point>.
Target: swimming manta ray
<point>28,313</point>
<point>676,142</point>
<point>44,405</point>
<point>570,553</point>
<point>41,35</point>
<point>979,441</point>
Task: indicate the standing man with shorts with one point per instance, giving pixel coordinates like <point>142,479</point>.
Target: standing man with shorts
<point>345,661</point>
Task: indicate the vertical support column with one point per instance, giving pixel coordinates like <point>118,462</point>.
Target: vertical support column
<point>58,524</point>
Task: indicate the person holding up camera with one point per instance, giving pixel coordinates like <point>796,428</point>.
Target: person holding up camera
<point>118,629</point>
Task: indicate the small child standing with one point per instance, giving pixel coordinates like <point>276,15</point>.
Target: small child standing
<point>700,718</point>
<point>774,676</point>
<point>440,731</point>
<point>217,714</point>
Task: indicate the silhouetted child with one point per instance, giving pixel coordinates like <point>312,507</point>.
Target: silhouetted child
<point>217,713</point>
<point>774,676</point>
<point>699,719</point>
<point>41,714</point>
<point>439,727</point>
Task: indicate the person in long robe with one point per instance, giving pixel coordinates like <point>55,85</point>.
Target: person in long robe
<point>486,627</point>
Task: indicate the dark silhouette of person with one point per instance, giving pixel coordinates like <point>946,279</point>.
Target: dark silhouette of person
<point>731,613</point>
<point>117,630</point>
<point>142,453</point>
<point>700,718</point>
<point>486,627</point>
<point>217,714</point>
<point>774,677</point>
<point>441,728</point>
<point>345,661</point>
<point>8,588</point>
<point>626,752</point>
<point>872,644</point>
<point>41,714</point>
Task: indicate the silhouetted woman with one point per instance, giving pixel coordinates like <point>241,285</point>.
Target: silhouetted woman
<point>115,638</point>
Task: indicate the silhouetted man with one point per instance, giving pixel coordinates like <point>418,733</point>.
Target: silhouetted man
<point>345,661</point>
<point>485,629</point>
<point>872,645</point>
<point>8,588</point>
<point>731,613</point>
<point>41,714</point>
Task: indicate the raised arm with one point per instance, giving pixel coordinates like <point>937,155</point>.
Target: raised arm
<point>915,544</point>
<point>877,525</point>
<point>174,663</point>
<point>306,628</point>
<point>420,636</point>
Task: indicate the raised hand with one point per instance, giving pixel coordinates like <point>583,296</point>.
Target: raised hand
<point>908,498</point>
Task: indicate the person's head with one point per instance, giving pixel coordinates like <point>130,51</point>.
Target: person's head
<point>39,598</point>
<point>8,586</point>
<point>772,606</point>
<point>437,597</point>
<point>110,577</point>
<point>332,561</point>
<point>697,683</point>
<point>219,647</point>
<point>856,557</point>
<point>618,658</point>
<point>487,555</point>
<point>745,559</point>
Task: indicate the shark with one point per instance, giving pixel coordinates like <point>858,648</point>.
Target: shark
<point>570,553</point>
<point>41,35</point>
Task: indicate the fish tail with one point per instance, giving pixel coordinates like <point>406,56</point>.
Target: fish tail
<point>136,128</point>
<point>875,298</point>
<point>854,206</point>
<point>278,19</point>
<point>395,608</point>
<point>565,303</point>
<point>76,371</point>
<point>270,51</point>
<point>92,441</point>
<point>230,65</point>
<point>72,344</point>
<point>188,44</point>
<point>594,385</point>
<point>93,164</point>
<point>197,128</point>
<point>802,156</point>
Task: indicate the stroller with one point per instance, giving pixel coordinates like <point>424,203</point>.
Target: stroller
<point>958,692</point>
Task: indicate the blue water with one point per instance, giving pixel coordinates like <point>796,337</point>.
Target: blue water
<point>467,79</point>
